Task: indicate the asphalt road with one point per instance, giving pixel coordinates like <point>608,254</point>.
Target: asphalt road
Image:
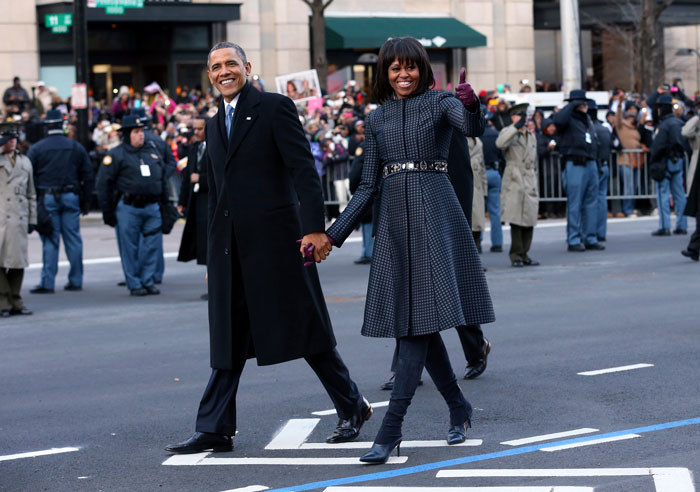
<point>115,378</point>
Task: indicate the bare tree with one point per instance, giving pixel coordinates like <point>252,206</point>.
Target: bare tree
<point>318,30</point>
<point>651,44</point>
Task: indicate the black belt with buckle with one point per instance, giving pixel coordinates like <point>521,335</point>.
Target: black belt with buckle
<point>396,167</point>
<point>139,201</point>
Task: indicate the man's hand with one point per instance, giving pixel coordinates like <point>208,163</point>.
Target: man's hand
<point>194,178</point>
<point>109,218</point>
<point>181,210</point>
<point>322,246</point>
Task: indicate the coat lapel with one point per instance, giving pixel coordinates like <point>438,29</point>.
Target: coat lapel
<point>243,119</point>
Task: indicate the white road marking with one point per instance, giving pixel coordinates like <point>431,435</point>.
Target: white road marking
<point>293,434</point>
<point>95,261</point>
<point>34,454</point>
<point>459,489</point>
<point>379,404</point>
<point>547,437</point>
<point>590,443</point>
<point>198,460</point>
<point>614,369</point>
<point>665,479</point>
<point>250,488</point>
<point>404,444</point>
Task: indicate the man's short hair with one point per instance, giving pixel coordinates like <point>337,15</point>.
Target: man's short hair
<point>227,44</point>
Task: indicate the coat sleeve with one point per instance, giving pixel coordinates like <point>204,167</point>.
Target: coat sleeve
<point>470,124</point>
<point>211,195</point>
<point>86,174</point>
<point>184,197</point>
<point>31,197</point>
<point>505,138</point>
<point>366,191</point>
<point>562,117</point>
<point>296,156</point>
<point>690,129</point>
<point>659,145</point>
<point>106,177</point>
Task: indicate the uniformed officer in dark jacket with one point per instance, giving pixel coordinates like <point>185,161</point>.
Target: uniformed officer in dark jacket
<point>603,150</point>
<point>64,180</point>
<point>669,148</point>
<point>131,185</point>
<point>193,200</point>
<point>366,221</point>
<point>157,144</point>
<point>578,150</point>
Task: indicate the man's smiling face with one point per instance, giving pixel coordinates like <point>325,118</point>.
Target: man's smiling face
<point>227,72</point>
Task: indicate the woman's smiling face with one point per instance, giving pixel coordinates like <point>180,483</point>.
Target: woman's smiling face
<point>403,78</point>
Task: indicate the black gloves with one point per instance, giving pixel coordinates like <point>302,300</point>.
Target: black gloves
<point>84,208</point>
<point>31,228</point>
<point>109,218</point>
<point>521,122</point>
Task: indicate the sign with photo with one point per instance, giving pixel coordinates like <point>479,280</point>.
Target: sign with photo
<point>299,86</point>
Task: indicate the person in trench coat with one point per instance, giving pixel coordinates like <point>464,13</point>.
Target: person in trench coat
<point>691,131</point>
<point>17,220</point>
<point>264,195</point>
<point>692,209</point>
<point>476,156</point>
<point>519,190</point>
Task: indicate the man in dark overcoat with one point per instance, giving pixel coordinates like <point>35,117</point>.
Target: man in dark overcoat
<point>692,209</point>
<point>264,195</point>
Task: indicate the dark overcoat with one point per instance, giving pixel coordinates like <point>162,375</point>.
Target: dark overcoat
<point>264,195</point>
<point>193,245</point>
<point>692,206</point>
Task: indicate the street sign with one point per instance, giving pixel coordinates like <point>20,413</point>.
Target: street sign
<point>114,10</point>
<point>59,23</point>
<point>78,96</point>
<point>134,4</point>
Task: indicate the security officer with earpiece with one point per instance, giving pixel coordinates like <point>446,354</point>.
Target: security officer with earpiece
<point>131,186</point>
<point>64,179</point>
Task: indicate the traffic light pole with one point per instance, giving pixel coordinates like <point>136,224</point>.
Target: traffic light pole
<point>81,61</point>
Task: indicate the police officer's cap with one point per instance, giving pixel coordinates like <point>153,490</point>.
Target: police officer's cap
<point>518,108</point>
<point>8,131</point>
<point>665,99</point>
<point>53,116</point>
<point>140,113</point>
<point>578,96</point>
<point>129,122</point>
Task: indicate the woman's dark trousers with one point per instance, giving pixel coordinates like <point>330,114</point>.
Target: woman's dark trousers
<point>414,353</point>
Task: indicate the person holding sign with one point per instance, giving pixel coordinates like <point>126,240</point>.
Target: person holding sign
<point>426,275</point>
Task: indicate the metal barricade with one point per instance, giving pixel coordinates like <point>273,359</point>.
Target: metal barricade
<point>335,183</point>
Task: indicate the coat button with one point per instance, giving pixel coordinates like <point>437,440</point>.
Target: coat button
<point>225,251</point>
<point>225,213</point>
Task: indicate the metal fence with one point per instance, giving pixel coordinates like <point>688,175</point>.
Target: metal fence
<point>629,178</point>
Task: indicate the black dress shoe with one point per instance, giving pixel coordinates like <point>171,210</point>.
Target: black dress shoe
<point>202,441</point>
<point>379,453</point>
<point>661,232</point>
<point>496,249</point>
<point>21,311</point>
<point>158,282</point>
<point>601,239</point>
<point>389,385</point>
<point>458,433</point>
<point>140,292</point>
<point>693,255</point>
<point>41,290</point>
<point>204,297</point>
<point>348,430</point>
<point>5,313</point>
<point>595,247</point>
<point>475,370</point>
<point>152,290</point>
<point>517,263</point>
<point>71,287</point>
<point>121,284</point>
<point>363,261</point>
<point>530,262</point>
<point>680,232</point>
<point>576,247</point>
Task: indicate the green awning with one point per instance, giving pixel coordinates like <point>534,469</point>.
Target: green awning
<point>372,32</point>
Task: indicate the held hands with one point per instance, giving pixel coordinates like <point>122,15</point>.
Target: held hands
<point>465,92</point>
<point>315,247</point>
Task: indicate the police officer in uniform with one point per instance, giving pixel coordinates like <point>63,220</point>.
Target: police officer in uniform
<point>492,161</point>
<point>131,185</point>
<point>64,180</point>
<point>669,148</point>
<point>603,149</point>
<point>578,149</point>
<point>153,140</point>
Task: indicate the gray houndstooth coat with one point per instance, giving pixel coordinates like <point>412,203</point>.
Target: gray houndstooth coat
<point>426,275</point>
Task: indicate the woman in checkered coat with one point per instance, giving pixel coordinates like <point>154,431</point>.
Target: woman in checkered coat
<point>426,275</point>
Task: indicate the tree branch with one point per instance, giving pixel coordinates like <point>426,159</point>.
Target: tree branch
<point>308,2</point>
<point>330,2</point>
<point>658,9</point>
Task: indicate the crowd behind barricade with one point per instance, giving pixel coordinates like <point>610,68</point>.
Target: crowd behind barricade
<point>334,125</point>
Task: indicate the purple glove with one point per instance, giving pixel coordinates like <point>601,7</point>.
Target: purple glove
<point>308,254</point>
<point>465,92</point>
